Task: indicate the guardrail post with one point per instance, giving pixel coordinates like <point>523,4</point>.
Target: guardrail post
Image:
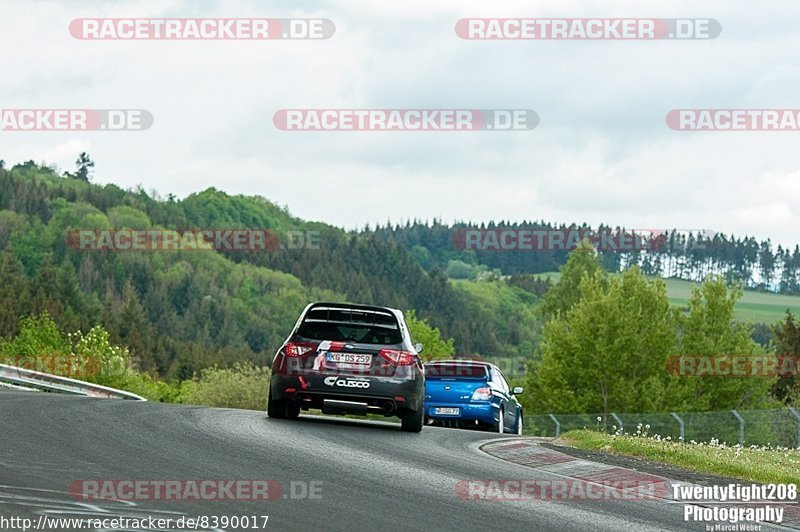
<point>741,426</point>
<point>558,425</point>
<point>618,420</point>
<point>680,422</point>
<point>796,415</point>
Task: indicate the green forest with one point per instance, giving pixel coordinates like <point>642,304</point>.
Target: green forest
<point>179,312</point>
<point>689,254</point>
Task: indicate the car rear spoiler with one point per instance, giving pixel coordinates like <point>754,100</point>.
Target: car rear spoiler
<point>387,312</point>
<point>354,306</point>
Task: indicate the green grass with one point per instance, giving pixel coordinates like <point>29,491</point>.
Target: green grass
<point>755,307</point>
<point>553,276</point>
<point>754,464</point>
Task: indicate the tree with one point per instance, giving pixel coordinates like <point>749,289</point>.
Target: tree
<point>566,293</point>
<point>530,283</point>
<point>709,330</point>
<point>607,351</point>
<point>132,327</point>
<point>422,256</point>
<point>787,333</point>
<point>84,165</point>
<point>429,337</point>
<point>37,336</point>
<point>14,293</point>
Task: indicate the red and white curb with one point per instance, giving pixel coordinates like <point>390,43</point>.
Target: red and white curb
<point>530,454</point>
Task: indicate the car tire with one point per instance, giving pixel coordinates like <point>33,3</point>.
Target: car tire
<point>518,428</point>
<point>501,426</point>
<point>412,421</point>
<point>281,408</point>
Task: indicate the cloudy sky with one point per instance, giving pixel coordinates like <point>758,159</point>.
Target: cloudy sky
<point>602,152</point>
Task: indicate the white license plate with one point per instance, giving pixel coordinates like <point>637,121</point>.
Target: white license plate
<point>447,411</point>
<point>349,358</point>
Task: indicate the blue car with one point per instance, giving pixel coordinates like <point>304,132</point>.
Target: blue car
<point>468,394</point>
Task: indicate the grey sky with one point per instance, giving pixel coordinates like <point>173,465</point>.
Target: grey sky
<point>602,152</point>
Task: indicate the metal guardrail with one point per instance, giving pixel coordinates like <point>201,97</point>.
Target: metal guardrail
<point>20,378</point>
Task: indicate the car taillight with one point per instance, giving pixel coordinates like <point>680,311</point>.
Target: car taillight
<point>397,358</point>
<point>298,349</point>
<point>482,394</point>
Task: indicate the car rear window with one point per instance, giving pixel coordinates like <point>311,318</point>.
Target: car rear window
<point>350,325</point>
<point>470,371</point>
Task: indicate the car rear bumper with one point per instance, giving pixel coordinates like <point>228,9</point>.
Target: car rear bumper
<point>487,412</point>
<point>331,393</point>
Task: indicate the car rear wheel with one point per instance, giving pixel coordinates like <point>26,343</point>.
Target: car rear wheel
<point>281,408</point>
<point>412,421</point>
<point>501,427</point>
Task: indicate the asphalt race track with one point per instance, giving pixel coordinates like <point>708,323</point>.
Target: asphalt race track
<point>367,475</point>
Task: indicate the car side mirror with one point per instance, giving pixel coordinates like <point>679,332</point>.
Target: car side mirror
<point>517,390</point>
<point>418,347</point>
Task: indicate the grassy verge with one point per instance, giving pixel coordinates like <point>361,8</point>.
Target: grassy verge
<point>756,307</point>
<point>755,464</point>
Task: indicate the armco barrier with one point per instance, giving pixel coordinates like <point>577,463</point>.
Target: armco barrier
<point>18,378</point>
<point>777,427</point>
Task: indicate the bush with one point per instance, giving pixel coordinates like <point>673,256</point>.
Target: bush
<point>457,269</point>
<point>96,346</point>
<point>242,386</point>
<point>40,345</point>
<point>144,385</point>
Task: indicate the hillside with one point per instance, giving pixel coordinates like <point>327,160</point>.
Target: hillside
<point>181,311</point>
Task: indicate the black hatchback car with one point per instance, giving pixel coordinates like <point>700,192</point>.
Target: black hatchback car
<point>343,358</point>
